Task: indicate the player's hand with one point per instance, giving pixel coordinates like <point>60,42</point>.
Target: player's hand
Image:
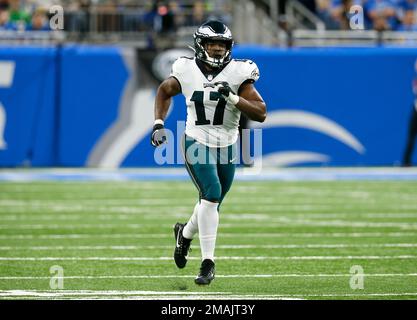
<point>224,88</point>
<point>159,135</point>
<point>227,92</point>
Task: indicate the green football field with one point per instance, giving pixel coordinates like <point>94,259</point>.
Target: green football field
<point>276,240</point>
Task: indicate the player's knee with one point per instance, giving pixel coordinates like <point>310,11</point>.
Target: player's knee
<point>213,192</point>
<point>222,197</point>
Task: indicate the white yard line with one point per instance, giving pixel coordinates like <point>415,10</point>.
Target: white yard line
<point>336,215</point>
<point>94,217</point>
<point>319,199</point>
<point>154,297</point>
<point>270,224</point>
<point>131,207</point>
<point>76,226</point>
<point>176,276</point>
<point>86,236</point>
<point>241,246</point>
<point>221,234</point>
<point>314,246</point>
<point>136,203</point>
<point>92,294</point>
<point>40,293</point>
<point>95,209</point>
<point>396,257</point>
<point>273,217</point>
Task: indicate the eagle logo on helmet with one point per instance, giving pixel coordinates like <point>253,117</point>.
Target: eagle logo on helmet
<point>213,31</point>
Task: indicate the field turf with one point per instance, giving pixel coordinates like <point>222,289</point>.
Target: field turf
<point>276,240</point>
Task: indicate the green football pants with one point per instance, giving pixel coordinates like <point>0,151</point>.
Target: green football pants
<point>211,169</point>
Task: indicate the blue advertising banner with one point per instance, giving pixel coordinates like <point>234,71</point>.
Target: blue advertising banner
<point>93,106</point>
<point>27,106</point>
<point>335,106</point>
<point>92,84</point>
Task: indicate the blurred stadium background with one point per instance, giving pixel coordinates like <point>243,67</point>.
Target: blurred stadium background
<point>80,188</point>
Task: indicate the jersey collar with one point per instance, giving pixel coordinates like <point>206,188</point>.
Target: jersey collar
<point>210,75</point>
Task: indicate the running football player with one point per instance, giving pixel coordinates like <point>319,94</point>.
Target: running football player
<point>217,89</point>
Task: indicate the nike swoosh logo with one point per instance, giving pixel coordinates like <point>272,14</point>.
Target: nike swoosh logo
<point>178,236</point>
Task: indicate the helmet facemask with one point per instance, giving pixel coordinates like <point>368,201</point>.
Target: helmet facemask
<point>213,31</point>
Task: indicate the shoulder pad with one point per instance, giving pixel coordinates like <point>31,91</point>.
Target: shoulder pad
<point>180,65</point>
<point>248,69</point>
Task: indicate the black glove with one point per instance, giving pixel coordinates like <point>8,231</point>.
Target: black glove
<point>158,135</point>
<point>227,92</point>
<point>224,88</point>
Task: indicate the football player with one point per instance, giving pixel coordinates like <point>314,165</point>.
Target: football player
<point>217,89</point>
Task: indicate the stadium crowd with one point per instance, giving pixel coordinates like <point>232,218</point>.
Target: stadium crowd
<point>112,15</point>
<point>16,15</point>
<point>167,16</point>
<point>395,15</point>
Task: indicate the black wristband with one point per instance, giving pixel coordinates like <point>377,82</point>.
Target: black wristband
<point>157,126</point>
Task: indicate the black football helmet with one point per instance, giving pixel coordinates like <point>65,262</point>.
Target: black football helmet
<point>213,31</point>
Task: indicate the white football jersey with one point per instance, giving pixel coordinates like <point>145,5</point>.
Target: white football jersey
<point>210,120</point>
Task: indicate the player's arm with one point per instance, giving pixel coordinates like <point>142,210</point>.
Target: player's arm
<point>248,100</point>
<point>251,103</point>
<point>166,90</point>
